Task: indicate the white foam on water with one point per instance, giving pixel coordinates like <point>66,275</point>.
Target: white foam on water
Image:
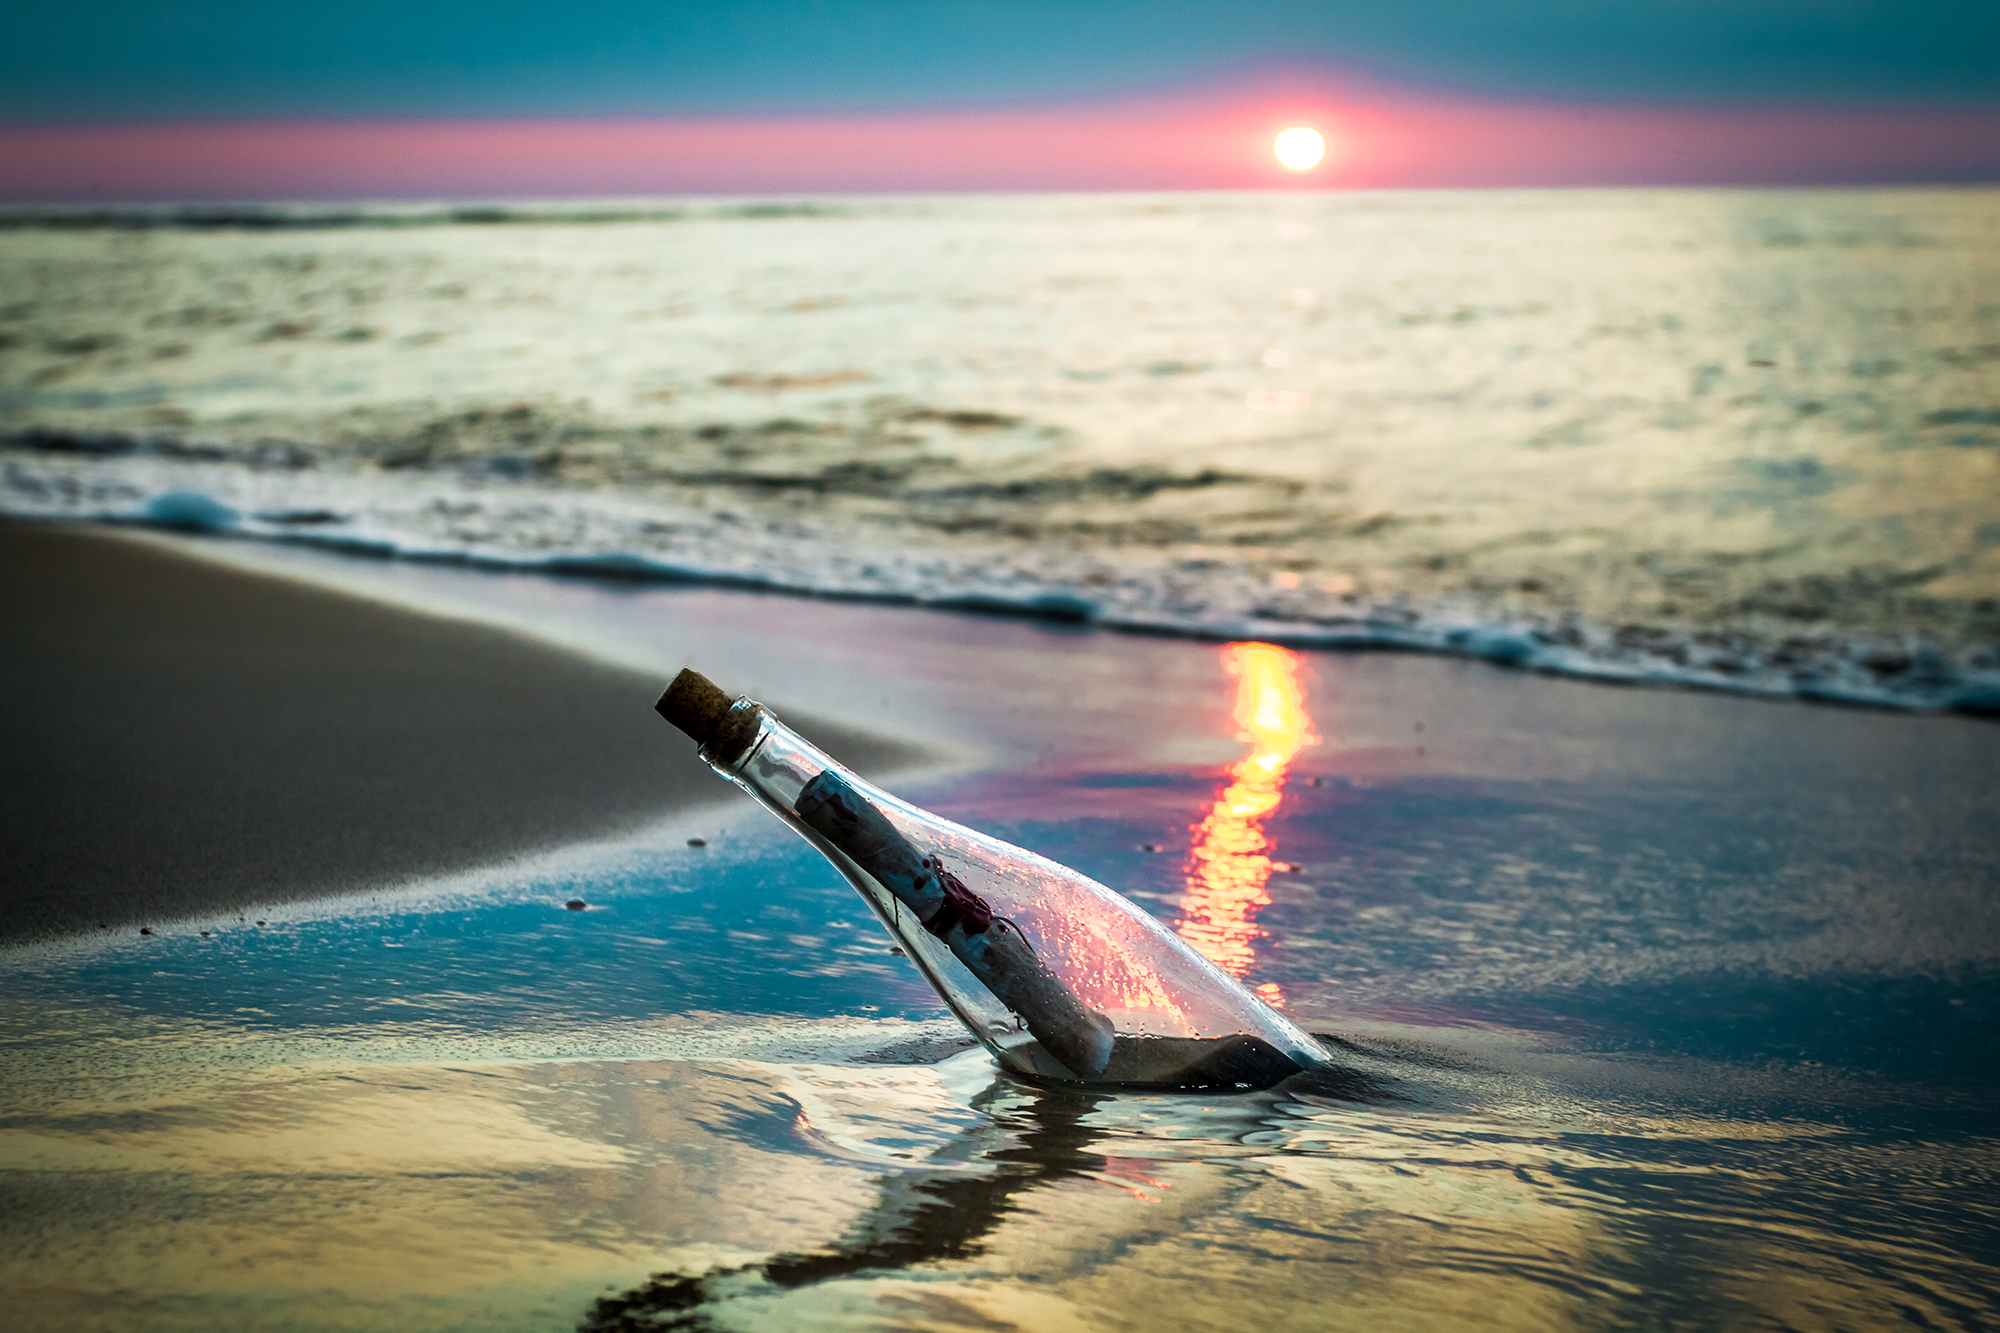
<point>580,535</point>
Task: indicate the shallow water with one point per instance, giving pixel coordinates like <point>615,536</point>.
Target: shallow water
<point>1744,439</point>
<point>1651,1009</point>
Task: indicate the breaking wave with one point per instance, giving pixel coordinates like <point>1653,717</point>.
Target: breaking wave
<point>500,515</point>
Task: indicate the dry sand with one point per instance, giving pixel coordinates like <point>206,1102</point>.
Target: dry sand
<point>179,737</point>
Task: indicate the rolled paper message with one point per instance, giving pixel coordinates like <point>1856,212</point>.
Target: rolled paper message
<point>993,950</point>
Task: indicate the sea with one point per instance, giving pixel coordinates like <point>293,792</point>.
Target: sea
<point>1738,440</point>
<point>1649,1008</point>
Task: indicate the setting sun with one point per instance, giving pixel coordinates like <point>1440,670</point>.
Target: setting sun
<point>1300,148</point>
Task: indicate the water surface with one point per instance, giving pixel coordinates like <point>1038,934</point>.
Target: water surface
<point>1651,1009</point>
<point>1746,439</point>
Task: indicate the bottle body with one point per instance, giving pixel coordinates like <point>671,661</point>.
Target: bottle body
<point>1060,978</point>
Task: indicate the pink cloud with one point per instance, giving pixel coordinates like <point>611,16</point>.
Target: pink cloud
<point>1377,138</point>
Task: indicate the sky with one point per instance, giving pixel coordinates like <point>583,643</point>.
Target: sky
<point>104,99</point>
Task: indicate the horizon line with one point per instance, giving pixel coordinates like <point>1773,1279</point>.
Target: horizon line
<point>1379,137</point>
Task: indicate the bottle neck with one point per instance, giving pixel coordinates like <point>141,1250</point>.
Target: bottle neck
<point>736,736</point>
<point>766,757</point>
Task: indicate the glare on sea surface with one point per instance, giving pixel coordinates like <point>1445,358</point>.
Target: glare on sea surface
<point>1300,148</point>
<point>1230,862</point>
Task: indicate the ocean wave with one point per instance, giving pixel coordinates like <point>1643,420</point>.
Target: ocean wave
<point>505,518</point>
<point>1623,438</point>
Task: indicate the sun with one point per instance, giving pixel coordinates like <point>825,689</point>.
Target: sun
<point>1300,148</point>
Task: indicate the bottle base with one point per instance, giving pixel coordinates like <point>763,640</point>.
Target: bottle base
<point>1239,1063</point>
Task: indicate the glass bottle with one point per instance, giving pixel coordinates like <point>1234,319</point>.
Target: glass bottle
<point>1060,978</point>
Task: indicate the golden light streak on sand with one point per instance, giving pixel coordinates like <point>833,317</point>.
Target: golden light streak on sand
<point>1229,864</point>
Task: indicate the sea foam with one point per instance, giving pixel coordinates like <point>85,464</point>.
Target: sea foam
<point>606,536</point>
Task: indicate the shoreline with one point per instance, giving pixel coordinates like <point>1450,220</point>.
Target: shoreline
<point>1842,668</point>
<point>155,764</point>
<point>182,737</point>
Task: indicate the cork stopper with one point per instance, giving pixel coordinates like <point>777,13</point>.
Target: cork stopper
<point>724,727</point>
<point>695,704</point>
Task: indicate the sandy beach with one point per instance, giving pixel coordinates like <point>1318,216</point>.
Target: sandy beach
<point>1617,975</point>
<point>182,738</point>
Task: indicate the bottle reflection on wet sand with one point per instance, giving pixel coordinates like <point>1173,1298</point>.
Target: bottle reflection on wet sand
<point>918,1219</point>
<point>1230,864</point>
<point>1028,1138</point>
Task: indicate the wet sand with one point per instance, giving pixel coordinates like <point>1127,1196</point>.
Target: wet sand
<point>180,737</point>
<point>1621,976</point>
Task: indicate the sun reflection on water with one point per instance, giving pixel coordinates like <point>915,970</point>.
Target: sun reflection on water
<point>1229,864</point>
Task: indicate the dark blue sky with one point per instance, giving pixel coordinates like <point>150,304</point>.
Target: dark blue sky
<point>120,60</point>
